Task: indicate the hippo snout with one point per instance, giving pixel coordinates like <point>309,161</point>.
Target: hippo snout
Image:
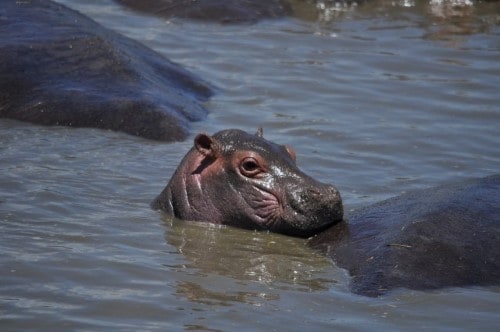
<point>315,207</point>
<point>329,192</point>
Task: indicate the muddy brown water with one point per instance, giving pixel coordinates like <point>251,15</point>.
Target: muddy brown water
<point>378,100</point>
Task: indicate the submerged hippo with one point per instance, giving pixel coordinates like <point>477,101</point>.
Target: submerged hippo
<point>426,239</point>
<point>224,11</point>
<point>239,179</point>
<point>439,237</point>
<point>58,67</point>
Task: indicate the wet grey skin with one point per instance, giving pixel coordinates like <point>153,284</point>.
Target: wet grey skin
<point>445,236</point>
<point>58,67</point>
<point>243,180</point>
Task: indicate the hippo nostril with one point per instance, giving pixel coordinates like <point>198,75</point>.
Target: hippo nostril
<point>326,192</point>
<point>314,192</point>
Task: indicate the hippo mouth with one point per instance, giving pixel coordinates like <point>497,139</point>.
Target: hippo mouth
<point>268,208</point>
<point>291,216</point>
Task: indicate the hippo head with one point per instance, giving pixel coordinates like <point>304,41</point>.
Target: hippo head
<point>235,178</point>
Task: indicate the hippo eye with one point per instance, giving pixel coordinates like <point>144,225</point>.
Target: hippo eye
<point>250,167</point>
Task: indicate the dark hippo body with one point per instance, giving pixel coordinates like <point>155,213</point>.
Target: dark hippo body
<point>224,11</point>
<point>235,178</point>
<point>58,67</point>
<point>427,239</point>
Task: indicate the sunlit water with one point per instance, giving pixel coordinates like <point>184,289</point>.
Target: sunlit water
<point>377,99</point>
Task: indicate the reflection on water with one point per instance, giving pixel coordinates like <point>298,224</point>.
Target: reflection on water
<point>198,293</point>
<point>444,20</point>
<point>272,260</point>
<point>378,99</point>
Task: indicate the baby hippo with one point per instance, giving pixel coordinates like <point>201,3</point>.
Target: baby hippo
<point>243,180</point>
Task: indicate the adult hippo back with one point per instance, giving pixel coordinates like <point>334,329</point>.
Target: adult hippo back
<point>58,67</point>
<point>427,239</point>
<point>224,11</point>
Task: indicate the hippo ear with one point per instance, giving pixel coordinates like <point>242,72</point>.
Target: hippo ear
<point>291,152</point>
<point>207,145</point>
<point>260,132</point>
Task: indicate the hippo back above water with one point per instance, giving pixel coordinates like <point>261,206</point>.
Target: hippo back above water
<point>239,179</point>
<point>58,67</point>
<point>224,11</point>
<point>426,239</point>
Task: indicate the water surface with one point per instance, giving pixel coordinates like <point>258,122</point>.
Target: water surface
<point>378,99</point>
